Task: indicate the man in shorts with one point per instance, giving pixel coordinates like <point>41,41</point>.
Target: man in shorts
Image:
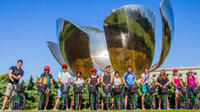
<point>15,73</point>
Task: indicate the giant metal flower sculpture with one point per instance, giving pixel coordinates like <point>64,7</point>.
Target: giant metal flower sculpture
<point>128,39</point>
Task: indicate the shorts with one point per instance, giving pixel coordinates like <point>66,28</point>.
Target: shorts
<point>105,94</point>
<point>176,89</point>
<point>9,89</point>
<point>126,91</point>
<point>144,88</point>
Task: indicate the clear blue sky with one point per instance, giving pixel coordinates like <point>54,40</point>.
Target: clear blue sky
<point>26,25</point>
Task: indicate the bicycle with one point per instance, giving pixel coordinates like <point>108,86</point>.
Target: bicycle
<point>92,90</point>
<point>64,90</point>
<point>117,97</point>
<point>41,89</point>
<point>195,98</point>
<point>133,91</point>
<point>18,101</point>
<point>184,98</point>
<point>150,98</point>
<point>164,92</point>
<point>78,89</point>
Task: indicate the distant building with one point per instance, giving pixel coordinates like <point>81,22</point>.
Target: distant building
<point>182,71</point>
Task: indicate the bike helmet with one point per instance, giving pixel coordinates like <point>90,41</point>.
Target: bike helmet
<point>64,65</point>
<point>175,70</point>
<point>80,71</point>
<point>94,69</point>
<point>47,68</point>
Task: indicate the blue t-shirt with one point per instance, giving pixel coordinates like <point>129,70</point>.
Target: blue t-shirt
<point>129,78</point>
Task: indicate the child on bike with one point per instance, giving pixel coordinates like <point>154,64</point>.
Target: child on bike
<point>64,78</point>
<point>46,80</point>
<point>145,80</point>
<point>128,79</point>
<point>162,82</point>
<point>117,81</point>
<point>78,81</point>
<point>191,82</point>
<point>106,81</point>
<point>177,86</point>
<point>94,81</point>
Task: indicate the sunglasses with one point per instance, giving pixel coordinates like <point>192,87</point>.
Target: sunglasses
<point>64,67</point>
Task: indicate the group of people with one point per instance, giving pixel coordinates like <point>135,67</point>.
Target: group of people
<point>105,79</point>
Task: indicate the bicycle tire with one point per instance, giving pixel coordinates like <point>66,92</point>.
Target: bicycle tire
<point>196,102</point>
<point>19,104</point>
<point>164,99</point>
<point>77,101</point>
<point>153,101</point>
<point>107,102</point>
<point>117,102</point>
<point>63,102</point>
<point>41,102</point>
<point>134,102</point>
<point>187,104</point>
<point>91,101</point>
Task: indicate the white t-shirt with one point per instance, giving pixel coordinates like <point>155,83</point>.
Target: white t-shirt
<point>146,78</point>
<point>79,81</point>
<point>64,76</point>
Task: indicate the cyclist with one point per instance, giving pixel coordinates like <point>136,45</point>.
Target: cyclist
<point>128,79</point>
<point>177,84</point>
<point>145,80</point>
<point>46,80</point>
<point>79,81</point>
<point>106,80</point>
<point>64,78</point>
<point>15,73</point>
<point>117,81</point>
<point>190,83</point>
<point>94,80</point>
<point>162,82</point>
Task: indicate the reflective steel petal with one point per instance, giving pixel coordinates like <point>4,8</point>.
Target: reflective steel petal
<point>167,31</point>
<point>98,47</point>
<point>130,36</point>
<point>75,48</point>
<point>55,50</point>
<point>59,27</point>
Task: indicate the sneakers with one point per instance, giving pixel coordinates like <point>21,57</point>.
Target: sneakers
<point>176,107</point>
<point>67,109</point>
<point>125,108</point>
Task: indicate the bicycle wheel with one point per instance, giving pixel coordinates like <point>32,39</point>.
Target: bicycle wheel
<point>92,99</point>
<point>117,103</point>
<point>196,102</point>
<point>18,101</point>
<point>63,102</point>
<point>134,102</point>
<point>153,101</point>
<point>164,100</point>
<point>187,104</point>
<point>41,101</point>
<point>107,102</point>
<point>76,101</point>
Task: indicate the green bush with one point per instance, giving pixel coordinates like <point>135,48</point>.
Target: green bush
<point>31,94</point>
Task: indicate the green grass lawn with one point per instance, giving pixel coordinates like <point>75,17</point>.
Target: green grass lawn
<point>119,111</point>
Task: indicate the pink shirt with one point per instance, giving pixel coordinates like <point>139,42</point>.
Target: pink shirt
<point>191,82</point>
<point>177,81</point>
